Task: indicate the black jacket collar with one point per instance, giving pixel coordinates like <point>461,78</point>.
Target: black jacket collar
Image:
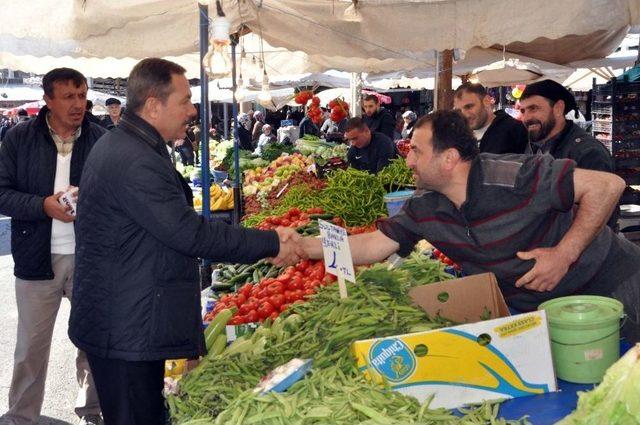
<point>137,126</point>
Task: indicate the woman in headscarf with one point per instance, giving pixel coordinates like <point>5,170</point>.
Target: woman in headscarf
<point>257,127</point>
<point>244,131</point>
<point>410,119</point>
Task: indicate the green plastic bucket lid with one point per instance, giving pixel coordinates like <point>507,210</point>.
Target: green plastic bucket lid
<point>582,310</point>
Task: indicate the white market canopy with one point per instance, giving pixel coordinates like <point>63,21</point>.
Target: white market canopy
<point>105,38</point>
<point>544,29</point>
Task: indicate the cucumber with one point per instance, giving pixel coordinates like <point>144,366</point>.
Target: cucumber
<point>216,326</point>
<point>218,345</point>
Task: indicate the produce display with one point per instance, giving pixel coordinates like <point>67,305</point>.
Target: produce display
<point>397,175</point>
<point>221,199</point>
<point>263,201</point>
<point>294,218</point>
<point>221,389</point>
<point>281,169</point>
<point>319,150</point>
<point>230,275</point>
<point>271,296</point>
<point>355,196</point>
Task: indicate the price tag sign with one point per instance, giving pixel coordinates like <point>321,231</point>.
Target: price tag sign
<point>337,255</point>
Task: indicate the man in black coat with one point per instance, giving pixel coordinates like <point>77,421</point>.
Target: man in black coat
<point>544,106</point>
<point>497,131</point>
<point>377,118</point>
<point>39,160</point>
<point>137,292</point>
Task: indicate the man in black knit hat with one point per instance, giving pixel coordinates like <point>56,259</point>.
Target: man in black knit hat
<point>544,106</point>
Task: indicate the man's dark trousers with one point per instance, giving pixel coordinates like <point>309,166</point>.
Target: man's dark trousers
<point>130,393</point>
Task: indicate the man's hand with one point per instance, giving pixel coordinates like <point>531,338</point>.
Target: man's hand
<point>55,210</point>
<point>291,251</point>
<point>312,247</point>
<point>551,266</point>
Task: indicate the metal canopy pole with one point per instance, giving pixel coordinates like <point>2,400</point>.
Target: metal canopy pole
<point>205,269</point>
<point>204,113</point>
<point>237,194</point>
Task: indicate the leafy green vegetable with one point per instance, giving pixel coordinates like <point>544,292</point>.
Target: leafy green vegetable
<point>616,401</point>
<point>275,150</point>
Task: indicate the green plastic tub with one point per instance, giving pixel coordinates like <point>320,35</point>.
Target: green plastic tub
<point>585,336</point>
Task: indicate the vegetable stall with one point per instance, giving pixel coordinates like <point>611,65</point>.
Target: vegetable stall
<point>262,318</point>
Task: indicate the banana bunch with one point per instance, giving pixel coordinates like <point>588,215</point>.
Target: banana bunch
<point>221,198</point>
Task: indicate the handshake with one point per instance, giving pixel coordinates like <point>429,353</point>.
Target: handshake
<point>294,248</point>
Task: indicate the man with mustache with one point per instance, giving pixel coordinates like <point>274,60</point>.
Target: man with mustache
<point>512,215</point>
<point>544,106</point>
<point>39,159</point>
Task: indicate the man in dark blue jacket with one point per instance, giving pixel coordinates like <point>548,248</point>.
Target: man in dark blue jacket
<point>137,293</point>
<point>39,159</point>
<point>377,118</point>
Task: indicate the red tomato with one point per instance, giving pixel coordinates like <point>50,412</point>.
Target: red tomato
<point>245,308</point>
<point>265,309</point>
<point>235,320</point>
<point>289,296</point>
<point>294,211</point>
<point>276,220</point>
<point>303,265</point>
<point>241,299</point>
<point>246,289</point>
<point>284,277</point>
<point>275,288</point>
<point>252,316</point>
<point>309,292</point>
<point>316,275</point>
<point>285,222</point>
<point>295,283</point>
<point>274,315</point>
<point>261,294</point>
<point>277,300</point>
<point>316,283</point>
<point>298,293</point>
<point>283,307</point>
